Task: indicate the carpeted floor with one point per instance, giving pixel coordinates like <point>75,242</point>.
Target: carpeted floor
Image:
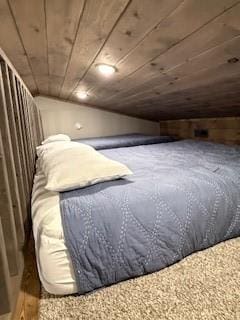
<point>205,285</point>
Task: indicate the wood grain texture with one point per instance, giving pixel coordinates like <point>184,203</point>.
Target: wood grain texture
<point>29,295</point>
<point>11,42</point>
<point>60,38</point>
<point>21,147</point>
<point>19,136</point>
<point>7,217</point>
<point>220,130</point>
<point>7,149</point>
<point>186,19</point>
<point>5,287</point>
<point>31,25</point>
<point>136,25</point>
<point>16,151</point>
<point>161,49</point>
<point>97,21</point>
<point>219,30</point>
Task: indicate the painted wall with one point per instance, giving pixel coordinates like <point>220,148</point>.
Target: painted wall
<point>221,130</point>
<point>61,117</point>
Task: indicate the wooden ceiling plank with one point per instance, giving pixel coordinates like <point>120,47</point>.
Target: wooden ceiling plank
<point>207,61</point>
<point>196,102</point>
<point>171,55</point>
<point>30,21</point>
<point>99,17</point>
<point>191,96</point>
<point>62,19</point>
<point>173,106</point>
<point>222,29</point>
<point>136,24</point>
<point>138,21</point>
<point>186,113</point>
<point>11,43</point>
<point>189,17</point>
<point>201,106</point>
<point>211,97</point>
<point>161,105</point>
<point>213,57</point>
<point>196,113</point>
<point>205,76</point>
<point>209,104</point>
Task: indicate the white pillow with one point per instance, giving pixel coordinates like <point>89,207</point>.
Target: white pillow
<point>44,148</point>
<point>56,137</point>
<point>77,165</point>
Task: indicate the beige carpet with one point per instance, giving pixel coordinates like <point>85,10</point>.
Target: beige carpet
<point>205,285</point>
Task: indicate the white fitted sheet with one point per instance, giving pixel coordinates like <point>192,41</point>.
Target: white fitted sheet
<point>53,260</point>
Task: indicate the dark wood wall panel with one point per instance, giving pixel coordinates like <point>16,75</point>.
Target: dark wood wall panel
<point>220,130</point>
<point>20,133</point>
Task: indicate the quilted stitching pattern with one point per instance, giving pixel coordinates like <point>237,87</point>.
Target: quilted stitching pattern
<point>183,197</point>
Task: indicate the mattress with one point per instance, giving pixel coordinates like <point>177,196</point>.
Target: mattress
<point>182,197</point>
<point>53,261</point>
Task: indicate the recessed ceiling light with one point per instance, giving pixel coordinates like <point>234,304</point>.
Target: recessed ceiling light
<point>106,69</point>
<point>82,95</point>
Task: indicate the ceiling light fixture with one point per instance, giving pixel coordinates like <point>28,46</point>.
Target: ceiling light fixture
<point>106,69</point>
<point>82,95</point>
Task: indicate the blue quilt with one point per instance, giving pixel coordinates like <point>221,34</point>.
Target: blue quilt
<point>125,140</point>
<point>183,197</point>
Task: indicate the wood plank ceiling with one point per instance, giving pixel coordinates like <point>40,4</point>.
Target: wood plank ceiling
<point>175,58</point>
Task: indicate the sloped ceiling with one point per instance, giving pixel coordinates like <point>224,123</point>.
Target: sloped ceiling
<point>175,58</point>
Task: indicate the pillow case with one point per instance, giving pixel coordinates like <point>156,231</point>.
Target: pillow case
<point>45,148</point>
<point>76,165</point>
<point>56,137</point>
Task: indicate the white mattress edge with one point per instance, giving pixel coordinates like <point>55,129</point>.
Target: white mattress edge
<point>53,260</point>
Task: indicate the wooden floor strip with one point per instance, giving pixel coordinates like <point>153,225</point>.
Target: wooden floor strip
<point>28,299</point>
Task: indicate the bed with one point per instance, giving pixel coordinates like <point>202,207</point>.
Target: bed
<point>198,178</point>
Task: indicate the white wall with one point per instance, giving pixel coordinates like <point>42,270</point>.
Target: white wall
<point>60,117</point>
